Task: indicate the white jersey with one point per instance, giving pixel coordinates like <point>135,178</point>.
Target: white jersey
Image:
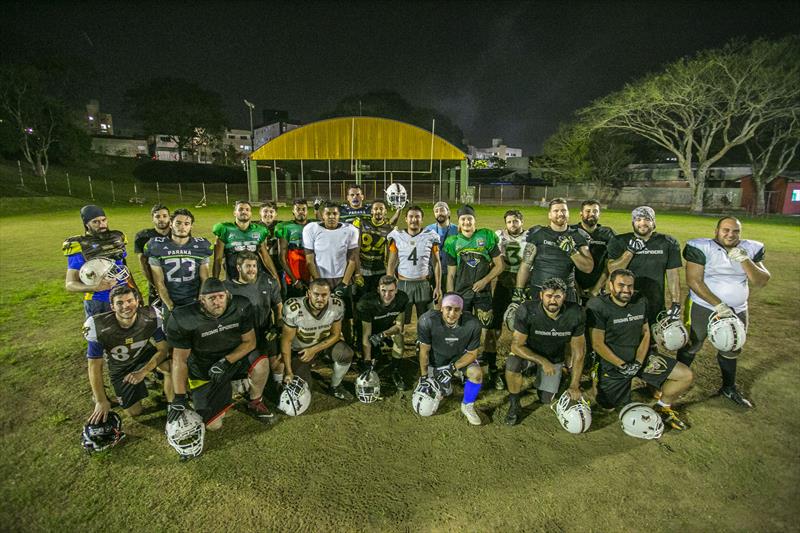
<point>311,329</point>
<point>511,248</point>
<point>724,277</point>
<point>413,253</point>
<point>330,247</point>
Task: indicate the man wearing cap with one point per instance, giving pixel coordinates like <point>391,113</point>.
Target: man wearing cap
<point>444,229</point>
<point>652,256</point>
<point>96,242</point>
<point>214,343</point>
<point>448,346</point>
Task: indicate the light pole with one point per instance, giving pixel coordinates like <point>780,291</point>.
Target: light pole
<point>251,106</point>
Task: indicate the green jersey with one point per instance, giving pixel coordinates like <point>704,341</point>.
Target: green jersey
<point>471,256</point>
<point>237,240</point>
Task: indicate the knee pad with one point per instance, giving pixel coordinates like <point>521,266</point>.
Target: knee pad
<point>514,364</point>
<point>342,353</point>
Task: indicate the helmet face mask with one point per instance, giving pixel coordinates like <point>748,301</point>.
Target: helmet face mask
<point>726,334</point>
<point>575,417</point>
<point>368,387</point>
<point>426,397</point>
<point>96,270</point>
<point>187,434</point>
<point>98,437</point>
<point>396,196</point>
<point>669,334</point>
<point>641,421</point>
<point>296,397</point>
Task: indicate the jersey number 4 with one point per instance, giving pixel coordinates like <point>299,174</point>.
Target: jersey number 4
<point>413,256</point>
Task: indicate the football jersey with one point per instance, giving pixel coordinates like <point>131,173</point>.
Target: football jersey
<point>622,324</point>
<point>550,260</point>
<point>598,247</point>
<point>511,248</point>
<point>443,233</point>
<point>124,349</point>
<point>292,232</point>
<point>264,295</point>
<point>143,236</point>
<point>472,257</point>
<point>414,253</point>
<point>448,344</point>
<point>180,264</point>
<point>348,214</point>
<point>82,248</point>
<point>272,240</point>
<point>549,336</point>
<point>311,329</point>
<point>372,248</point>
<point>238,240</point>
<point>330,247</point>
<point>723,276</point>
<point>371,309</point>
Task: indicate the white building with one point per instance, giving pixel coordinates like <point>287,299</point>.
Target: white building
<point>498,149</point>
<point>264,134</point>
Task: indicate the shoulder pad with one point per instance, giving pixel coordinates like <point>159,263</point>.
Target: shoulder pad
<point>71,245</point>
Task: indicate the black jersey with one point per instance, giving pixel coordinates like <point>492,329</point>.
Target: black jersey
<point>448,344</point>
<point>181,265</point>
<point>209,338</point>
<point>550,260</point>
<point>143,236</point>
<point>272,241</point>
<point>349,214</point>
<point>661,253</point>
<point>622,325</point>
<point>547,336</point>
<point>382,317</point>
<point>264,295</point>
<point>373,245</point>
<point>598,247</point>
<point>124,349</point>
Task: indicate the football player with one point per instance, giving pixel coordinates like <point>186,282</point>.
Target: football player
<point>542,330</point>
<point>130,340</point>
<point>291,255</point>
<point>414,259</point>
<point>381,314</point>
<point>443,228</point>
<point>590,283</point>
<point>719,272</point>
<point>448,345</point>
<point>238,236</point>
<point>312,328</point>
<point>161,228</point>
<point>269,219</point>
<point>179,262</point>
<point>97,241</point>
<point>355,207</point>
<point>621,337</point>
<point>214,343</point>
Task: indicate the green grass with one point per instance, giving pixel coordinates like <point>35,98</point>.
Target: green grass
<point>378,467</point>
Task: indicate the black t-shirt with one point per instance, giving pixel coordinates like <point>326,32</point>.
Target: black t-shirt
<point>547,336</point>
<point>143,236</point>
<point>448,344</point>
<point>598,241</point>
<point>264,295</point>
<point>661,253</point>
<point>209,338</point>
<point>550,260</point>
<point>371,309</point>
<point>622,325</point>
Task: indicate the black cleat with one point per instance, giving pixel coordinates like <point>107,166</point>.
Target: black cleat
<point>340,393</point>
<point>398,380</point>
<point>513,415</point>
<point>733,394</point>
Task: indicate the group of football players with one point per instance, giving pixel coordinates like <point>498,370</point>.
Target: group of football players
<point>319,295</point>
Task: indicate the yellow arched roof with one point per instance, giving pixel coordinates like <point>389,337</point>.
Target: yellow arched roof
<point>365,138</point>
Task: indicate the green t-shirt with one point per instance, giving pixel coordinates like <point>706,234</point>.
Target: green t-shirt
<point>471,256</point>
<point>237,240</point>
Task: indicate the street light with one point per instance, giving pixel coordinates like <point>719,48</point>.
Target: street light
<point>251,106</point>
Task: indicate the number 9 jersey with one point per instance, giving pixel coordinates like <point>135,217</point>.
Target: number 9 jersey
<point>311,328</point>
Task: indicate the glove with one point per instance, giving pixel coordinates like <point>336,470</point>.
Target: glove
<point>567,244</point>
<point>299,284</point>
<point>317,203</point>
<point>341,290</point>
<point>738,254</point>
<point>517,296</point>
<point>723,310</point>
<point>674,312</point>
<point>423,381</point>
<point>630,369</point>
<point>176,409</point>
<point>272,333</point>
<point>444,375</point>
<point>376,340</point>
<point>218,371</point>
<point>635,245</point>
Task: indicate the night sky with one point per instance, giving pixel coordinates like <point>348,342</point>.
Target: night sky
<point>510,70</point>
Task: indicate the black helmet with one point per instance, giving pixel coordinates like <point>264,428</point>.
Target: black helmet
<point>97,437</point>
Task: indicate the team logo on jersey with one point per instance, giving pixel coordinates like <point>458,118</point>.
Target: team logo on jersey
<point>129,340</point>
<point>254,235</point>
<point>656,364</point>
<point>629,318</point>
<point>481,242</point>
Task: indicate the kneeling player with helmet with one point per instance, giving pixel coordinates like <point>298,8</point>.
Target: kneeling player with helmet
<point>542,329</point>
<point>621,337</point>
<point>312,327</point>
<point>448,344</point>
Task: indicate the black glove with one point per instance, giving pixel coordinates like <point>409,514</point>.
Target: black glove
<point>176,409</point>
<point>630,369</point>
<point>376,340</point>
<point>341,290</point>
<point>445,375</point>
<point>518,296</point>
<point>423,381</point>
<point>272,333</point>
<point>636,244</point>
<point>674,312</point>
<point>218,372</point>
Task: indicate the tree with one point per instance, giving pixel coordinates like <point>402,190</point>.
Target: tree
<point>770,153</point>
<point>700,108</point>
<point>176,108</point>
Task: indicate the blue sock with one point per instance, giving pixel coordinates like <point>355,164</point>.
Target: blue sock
<point>471,391</point>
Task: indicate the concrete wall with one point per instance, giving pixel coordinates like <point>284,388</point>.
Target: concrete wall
<point>119,147</point>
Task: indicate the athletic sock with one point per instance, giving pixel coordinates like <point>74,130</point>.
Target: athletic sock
<point>490,360</point>
<point>513,398</point>
<point>339,370</point>
<point>728,368</point>
<point>277,378</point>
<point>471,390</point>
<point>662,404</point>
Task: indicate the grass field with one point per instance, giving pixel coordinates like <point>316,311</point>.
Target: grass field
<point>356,467</point>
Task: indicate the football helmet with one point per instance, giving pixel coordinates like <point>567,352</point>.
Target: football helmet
<point>396,196</point>
<point>296,397</point>
<point>641,421</point>
<point>186,434</point>
<point>575,418</point>
<point>426,397</point>
<point>726,334</point>
<point>669,333</point>
<point>98,437</point>
<point>95,270</point>
<point>368,386</point>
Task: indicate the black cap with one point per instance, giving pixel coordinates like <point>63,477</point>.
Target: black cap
<point>90,212</point>
<point>212,285</point>
<point>466,210</point>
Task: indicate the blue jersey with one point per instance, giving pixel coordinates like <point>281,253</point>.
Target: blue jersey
<point>443,234</point>
<point>181,265</point>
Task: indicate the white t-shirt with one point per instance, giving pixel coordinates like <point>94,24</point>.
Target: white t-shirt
<point>311,329</point>
<point>330,247</point>
<point>413,253</point>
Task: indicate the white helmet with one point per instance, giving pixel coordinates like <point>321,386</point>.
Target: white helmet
<point>396,196</point>
<point>296,397</point>
<point>668,333</point>
<point>186,434</point>
<point>641,421</point>
<point>368,386</point>
<point>575,418</point>
<point>726,334</point>
<point>95,270</point>
<point>426,397</point>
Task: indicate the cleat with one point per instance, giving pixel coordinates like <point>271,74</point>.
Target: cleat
<point>468,410</point>
<point>498,381</point>
<point>340,393</point>
<point>670,417</point>
<point>397,378</point>
<point>513,415</point>
<point>736,397</point>
<point>259,410</point>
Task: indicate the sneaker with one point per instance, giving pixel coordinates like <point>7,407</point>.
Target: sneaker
<point>398,380</point>
<point>468,410</point>
<point>498,381</point>
<point>670,417</point>
<point>259,410</point>
<point>513,415</point>
<point>341,393</point>
<point>736,397</point>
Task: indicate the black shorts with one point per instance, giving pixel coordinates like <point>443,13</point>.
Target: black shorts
<point>480,305</point>
<point>212,401</point>
<point>128,393</point>
<point>614,389</point>
<point>500,302</point>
